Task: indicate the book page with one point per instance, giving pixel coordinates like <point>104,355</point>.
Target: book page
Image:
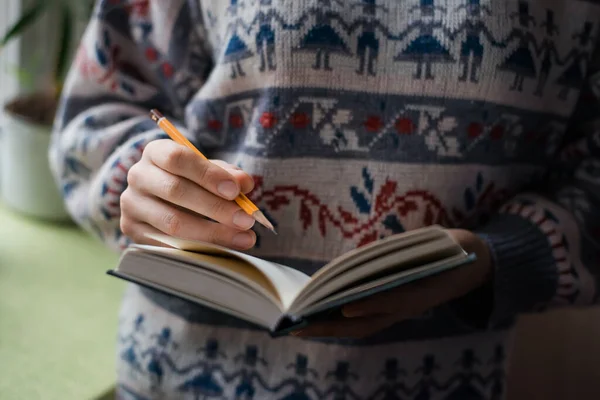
<point>366,289</point>
<point>390,263</point>
<point>287,281</point>
<point>201,285</point>
<point>363,255</point>
<point>233,269</point>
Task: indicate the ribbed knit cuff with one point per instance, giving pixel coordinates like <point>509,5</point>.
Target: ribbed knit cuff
<point>525,274</point>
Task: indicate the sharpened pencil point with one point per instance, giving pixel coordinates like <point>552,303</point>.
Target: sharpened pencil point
<point>260,217</point>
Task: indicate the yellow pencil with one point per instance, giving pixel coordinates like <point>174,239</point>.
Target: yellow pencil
<point>243,201</point>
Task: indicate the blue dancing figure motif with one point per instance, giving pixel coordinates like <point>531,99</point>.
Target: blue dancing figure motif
<point>574,75</point>
<point>427,382</point>
<point>391,387</point>
<point>466,379</point>
<point>426,49</point>
<point>204,384</point>
<point>265,34</point>
<point>159,356</point>
<point>236,49</point>
<point>246,389</point>
<point>497,377</point>
<point>301,384</point>
<point>265,37</point>
<point>472,48</point>
<point>341,389</point>
<point>520,61</point>
<point>367,47</point>
<point>547,51</point>
<point>129,355</point>
<point>322,39</point>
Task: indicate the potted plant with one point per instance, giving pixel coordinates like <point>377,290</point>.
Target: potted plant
<point>26,182</point>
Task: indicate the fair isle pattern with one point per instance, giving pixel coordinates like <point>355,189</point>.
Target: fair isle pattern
<point>309,122</point>
<point>229,364</point>
<point>358,119</point>
<point>373,208</point>
<point>511,45</point>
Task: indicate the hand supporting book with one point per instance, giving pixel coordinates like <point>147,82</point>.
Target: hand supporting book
<point>365,317</point>
<point>281,299</point>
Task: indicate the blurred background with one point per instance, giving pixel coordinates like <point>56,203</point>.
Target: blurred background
<point>58,313</point>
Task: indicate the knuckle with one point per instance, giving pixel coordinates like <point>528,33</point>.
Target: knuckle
<point>151,148</point>
<point>124,201</point>
<point>133,175</point>
<point>204,172</point>
<point>171,223</point>
<point>174,188</point>
<point>218,209</point>
<point>126,226</point>
<point>175,158</point>
<point>214,236</point>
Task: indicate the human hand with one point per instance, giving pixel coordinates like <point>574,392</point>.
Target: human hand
<point>373,314</point>
<point>171,190</point>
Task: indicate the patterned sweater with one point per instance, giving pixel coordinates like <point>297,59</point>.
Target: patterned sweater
<point>357,119</point>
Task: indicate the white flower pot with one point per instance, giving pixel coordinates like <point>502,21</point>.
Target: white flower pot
<point>26,183</point>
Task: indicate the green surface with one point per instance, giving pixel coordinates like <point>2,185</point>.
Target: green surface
<point>58,311</point>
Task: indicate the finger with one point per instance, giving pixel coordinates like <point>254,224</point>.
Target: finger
<point>179,223</point>
<point>186,194</point>
<point>137,231</point>
<point>414,298</point>
<point>347,328</point>
<point>243,178</point>
<point>181,161</point>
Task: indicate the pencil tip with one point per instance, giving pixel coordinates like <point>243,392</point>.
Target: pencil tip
<point>260,217</point>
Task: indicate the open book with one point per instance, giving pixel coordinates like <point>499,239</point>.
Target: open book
<point>281,298</point>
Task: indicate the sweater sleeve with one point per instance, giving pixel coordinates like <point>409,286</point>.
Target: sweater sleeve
<point>545,243</point>
<point>133,56</point>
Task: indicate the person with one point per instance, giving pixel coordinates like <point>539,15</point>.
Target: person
<point>337,159</point>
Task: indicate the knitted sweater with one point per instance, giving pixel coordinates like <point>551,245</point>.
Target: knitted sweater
<point>357,119</point>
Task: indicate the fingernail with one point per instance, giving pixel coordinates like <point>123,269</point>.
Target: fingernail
<point>243,220</point>
<point>243,240</point>
<point>228,189</point>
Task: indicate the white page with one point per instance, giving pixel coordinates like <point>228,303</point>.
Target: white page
<point>363,255</point>
<point>231,270</point>
<point>392,261</point>
<point>200,285</point>
<point>397,241</point>
<point>287,281</point>
<point>400,278</point>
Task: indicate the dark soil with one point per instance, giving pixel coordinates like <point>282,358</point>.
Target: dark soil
<point>36,108</point>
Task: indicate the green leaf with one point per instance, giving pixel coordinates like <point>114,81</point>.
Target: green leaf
<point>28,18</point>
<point>64,44</point>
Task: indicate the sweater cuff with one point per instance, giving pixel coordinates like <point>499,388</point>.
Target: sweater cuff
<point>525,274</point>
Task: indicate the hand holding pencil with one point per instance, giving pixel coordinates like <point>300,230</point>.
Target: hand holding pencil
<point>173,189</point>
<point>243,201</point>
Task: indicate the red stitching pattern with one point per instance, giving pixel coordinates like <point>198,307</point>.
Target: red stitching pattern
<point>346,221</point>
